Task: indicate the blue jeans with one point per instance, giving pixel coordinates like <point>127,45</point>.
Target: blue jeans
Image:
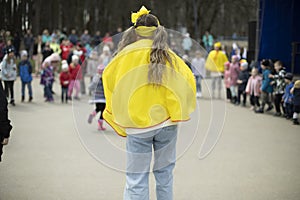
<point>29,89</point>
<point>48,93</point>
<point>198,83</point>
<point>139,155</point>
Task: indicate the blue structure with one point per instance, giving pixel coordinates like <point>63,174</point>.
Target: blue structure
<point>279,32</point>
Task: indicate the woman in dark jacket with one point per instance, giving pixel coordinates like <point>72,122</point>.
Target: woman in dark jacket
<point>5,126</point>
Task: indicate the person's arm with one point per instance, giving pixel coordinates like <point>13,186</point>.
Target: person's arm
<point>3,66</point>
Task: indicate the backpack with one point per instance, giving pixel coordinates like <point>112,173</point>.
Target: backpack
<point>24,72</point>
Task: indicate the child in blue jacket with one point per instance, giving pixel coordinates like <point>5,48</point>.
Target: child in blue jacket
<point>25,70</point>
<point>288,96</point>
<point>266,87</point>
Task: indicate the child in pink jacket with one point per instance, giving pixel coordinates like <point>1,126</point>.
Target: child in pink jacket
<point>253,88</point>
<point>227,80</point>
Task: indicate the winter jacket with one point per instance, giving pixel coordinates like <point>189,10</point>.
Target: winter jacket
<point>25,70</point>
<point>296,94</point>
<point>243,76</point>
<point>75,72</point>
<point>288,96</point>
<point>64,79</point>
<point>253,85</point>
<point>47,77</point>
<point>9,69</point>
<point>96,87</point>
<point>227,78</point>
<point>279,83</point>
<point>266,82</point>
<point>198,67</point>
<point>234,73</point>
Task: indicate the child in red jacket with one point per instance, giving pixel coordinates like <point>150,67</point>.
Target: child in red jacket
<point>75,77</point>
<point>64,78</point>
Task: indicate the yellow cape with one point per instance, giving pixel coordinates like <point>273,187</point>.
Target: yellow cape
<point>131,102</point>
<point>215,61</point>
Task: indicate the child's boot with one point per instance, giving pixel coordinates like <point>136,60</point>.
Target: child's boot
<point>100,125</point>
<point>91,117</point>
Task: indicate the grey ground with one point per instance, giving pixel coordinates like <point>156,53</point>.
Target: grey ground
<point>256,158</point>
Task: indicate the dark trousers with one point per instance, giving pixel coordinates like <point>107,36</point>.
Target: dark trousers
<point>254,100</point>
<point>266,99</point>
<point>48,92</point>
<point>64,94</point>
<point>29,89</point>
<point>289,110</point>
<point>228,93</point>
<point>278,103</point>
<point>9,89</point>
<point>241,93</point>
<point>100,108</point>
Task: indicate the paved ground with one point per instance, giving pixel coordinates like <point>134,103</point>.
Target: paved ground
<point>53,154</point>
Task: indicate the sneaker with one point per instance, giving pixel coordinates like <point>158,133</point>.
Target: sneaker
<point>259,111</point>
<point>12,102</point>
<point>295,122</point>
<point>23,98</point>
<point>278,114</point>
<point>30,99</point>
<point>269,108</point>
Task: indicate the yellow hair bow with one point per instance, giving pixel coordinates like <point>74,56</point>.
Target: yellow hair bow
<point>143,11</point>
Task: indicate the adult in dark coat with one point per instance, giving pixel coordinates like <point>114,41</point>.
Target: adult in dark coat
<point>5,126</point>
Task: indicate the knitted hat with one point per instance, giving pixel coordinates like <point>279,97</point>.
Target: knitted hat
<point>244,65</point>
<point>46,62</point>
<point>289,76</point>
<point>106,48</point>
<point>297,84</point>
<point>75,57</point>
<point>10,50</point>
<point>64,65</point>
<point>55,57</point>
<point>227,64</point>
<point>100,69</point>
<point>24,53</point>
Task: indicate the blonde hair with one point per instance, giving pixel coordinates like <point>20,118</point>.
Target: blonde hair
<point>159,55</point>
<point>129,36</point>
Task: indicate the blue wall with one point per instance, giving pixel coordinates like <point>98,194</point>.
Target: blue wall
<point>279,27</point>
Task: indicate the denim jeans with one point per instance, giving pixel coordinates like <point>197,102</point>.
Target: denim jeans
<point>48,94</point>
<point>198,83</point>
<point>139,155</point>
<point>29,89</point>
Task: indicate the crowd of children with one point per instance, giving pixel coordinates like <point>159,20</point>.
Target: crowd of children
<point>272,86</point>
<point>264,85</point>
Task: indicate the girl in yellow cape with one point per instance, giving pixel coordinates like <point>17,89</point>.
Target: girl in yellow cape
<point>215,64</point>
<point>148,90</point>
